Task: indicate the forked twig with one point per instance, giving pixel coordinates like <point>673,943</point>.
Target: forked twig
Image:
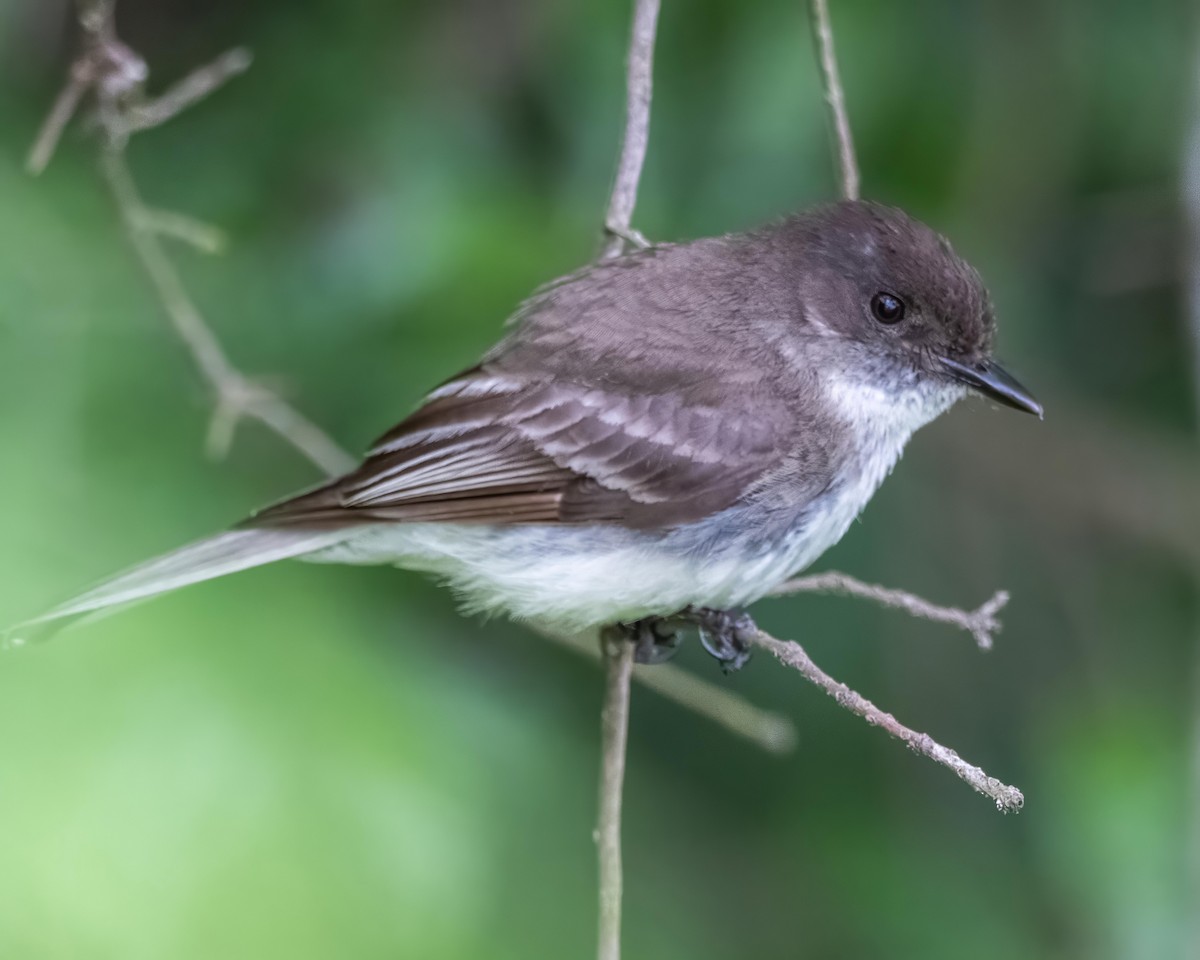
<point>115,74</point>
<point>981,622</point>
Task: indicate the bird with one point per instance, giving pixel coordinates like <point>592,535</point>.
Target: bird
<point>657,440</point>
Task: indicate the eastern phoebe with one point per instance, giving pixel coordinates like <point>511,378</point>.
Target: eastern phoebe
<point>667,434</point>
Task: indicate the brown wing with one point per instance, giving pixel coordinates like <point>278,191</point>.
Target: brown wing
<point>492,448</point>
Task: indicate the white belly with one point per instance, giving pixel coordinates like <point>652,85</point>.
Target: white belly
<point>577,577</point>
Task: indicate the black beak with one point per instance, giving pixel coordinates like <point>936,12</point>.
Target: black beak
<point>990,379</point>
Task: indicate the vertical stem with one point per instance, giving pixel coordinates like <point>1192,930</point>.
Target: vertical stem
<point>614,724</point>
<point>618,652</point>
<point>639,84</point>
<point>835,98</point>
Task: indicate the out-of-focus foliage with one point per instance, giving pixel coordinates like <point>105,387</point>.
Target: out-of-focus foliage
<point>312,762</point>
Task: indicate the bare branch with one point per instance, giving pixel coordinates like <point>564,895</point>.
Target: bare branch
<point>618,225</point>
<point>236,396</point>
<point>639,84</point>
<point>614,723</point>
<point>115,74</point>
<point>56,121</point>
<point>190,90</point>
<point>835,97</point>
<point>791,654</point>
<point>981,622</point>
<point>96,16</point>
<point>772,732</point>
<point>179,226</point>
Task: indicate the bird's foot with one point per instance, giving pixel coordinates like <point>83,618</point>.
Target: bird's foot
<point>654,639</point>
<point>725,634</point>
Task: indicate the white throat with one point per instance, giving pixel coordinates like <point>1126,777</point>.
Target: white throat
<point>881,420</point>
<point>890,414</point>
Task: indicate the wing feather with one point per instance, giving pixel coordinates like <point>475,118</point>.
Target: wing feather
<point>488,449</point>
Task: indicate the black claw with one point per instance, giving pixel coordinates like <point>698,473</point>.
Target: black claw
<point>726,635</point>
<point>655,639</point>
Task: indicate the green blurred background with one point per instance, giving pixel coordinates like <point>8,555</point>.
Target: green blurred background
<point>312,762</point>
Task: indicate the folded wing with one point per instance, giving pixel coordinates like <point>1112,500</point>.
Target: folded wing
<point>490,447</point>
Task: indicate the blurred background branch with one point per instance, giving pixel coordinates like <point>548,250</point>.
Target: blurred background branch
<point>116,74</point>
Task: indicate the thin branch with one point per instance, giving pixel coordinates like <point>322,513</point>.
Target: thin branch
<point>115,75</point>
<point>835,97</point>
<point>190,90</point>
<point>179,226</point>
<point>981,622</point>
<point>791,654</point>
<point>236,396</point>
<point>65,105</point>
<point>618,225</point>
<point>614,724</point>
<point>772,732</point>
<point>639,84</point>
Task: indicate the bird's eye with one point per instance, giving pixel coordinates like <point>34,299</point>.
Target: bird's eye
<point>887,307</point>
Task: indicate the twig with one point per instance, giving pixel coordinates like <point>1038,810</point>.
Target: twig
<point>772,732</point>
<point>65,105</point>
<point>618,225</point>
<point>639,84</point>
<point>835,98</point>
<point>236,396</point>
<point>115,74</point>
<point>189,91</point>
<point>179,226</point>
<point>791,654</point>
<point>981,622</point>
<point>614,725</point>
